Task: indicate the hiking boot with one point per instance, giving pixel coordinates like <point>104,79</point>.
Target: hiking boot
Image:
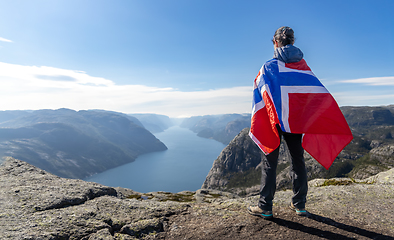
<point>257,211</point>
<point>298,211</point>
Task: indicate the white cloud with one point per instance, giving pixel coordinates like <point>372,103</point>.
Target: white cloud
<point>375,81</point>
<point>4,40</point>
<point>49,76</point>
<point>363,98</point>
<point>373,91</point>
<point>32,87</point>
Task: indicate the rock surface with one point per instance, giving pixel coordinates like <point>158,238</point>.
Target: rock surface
<point>38,205</point>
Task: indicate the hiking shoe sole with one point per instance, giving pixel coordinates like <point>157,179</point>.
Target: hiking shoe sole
<point>265,214</point>
<point>299,212</point>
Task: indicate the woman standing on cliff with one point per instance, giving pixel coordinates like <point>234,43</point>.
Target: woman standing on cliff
<point>289,102</point>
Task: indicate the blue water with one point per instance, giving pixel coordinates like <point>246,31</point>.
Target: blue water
<point>183,166</point>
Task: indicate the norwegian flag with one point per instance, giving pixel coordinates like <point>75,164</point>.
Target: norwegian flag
<point>289,94</point>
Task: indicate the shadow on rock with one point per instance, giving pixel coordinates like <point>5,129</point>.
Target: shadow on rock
<point>348,231</point>
<point>348,228</point>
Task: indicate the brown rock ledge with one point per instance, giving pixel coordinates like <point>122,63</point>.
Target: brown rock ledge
<point>39,205</point>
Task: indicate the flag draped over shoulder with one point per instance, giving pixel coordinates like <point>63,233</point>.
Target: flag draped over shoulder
<point>289,94</point>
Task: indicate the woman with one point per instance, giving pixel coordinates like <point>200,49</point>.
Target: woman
<point>284,51</point>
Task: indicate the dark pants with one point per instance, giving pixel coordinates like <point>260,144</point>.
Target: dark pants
<point>297,173</point>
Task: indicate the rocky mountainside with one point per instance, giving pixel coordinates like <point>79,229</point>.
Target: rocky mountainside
<point>368,153</point>
<point>38,205</point>
<point>74,144</point>
<point>237,166</point>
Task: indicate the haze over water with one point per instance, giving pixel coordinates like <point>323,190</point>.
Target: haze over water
<point>183,166</point>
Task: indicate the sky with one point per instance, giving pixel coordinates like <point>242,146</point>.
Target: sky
<point>185,57</point>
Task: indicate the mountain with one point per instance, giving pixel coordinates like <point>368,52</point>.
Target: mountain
<point>237,169</point>
<point>12,114</point>
<point>155,123</point>
<point>222,128</point>
<point>38,205</point>
<point>75,144</point>
<point>368,116</point>
<point>128,116</point>
<point>373,130</point>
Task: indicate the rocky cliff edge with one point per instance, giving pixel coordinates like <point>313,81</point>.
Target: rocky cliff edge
<point>38,205</point>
